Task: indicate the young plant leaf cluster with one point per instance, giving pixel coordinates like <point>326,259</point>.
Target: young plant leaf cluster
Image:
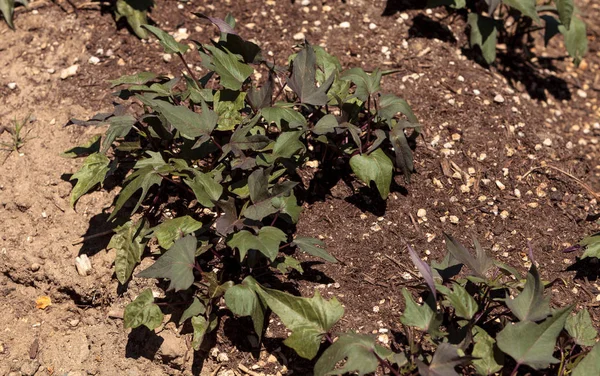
<point>212,176</point>
<point>486,321</point>
<point>487,21</point>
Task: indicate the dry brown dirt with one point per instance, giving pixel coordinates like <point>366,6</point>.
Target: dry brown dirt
<point>472,176</point>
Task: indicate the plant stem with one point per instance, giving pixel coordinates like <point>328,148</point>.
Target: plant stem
<point>385,363</point>
<point>188,68</point>
<point>514,371</point>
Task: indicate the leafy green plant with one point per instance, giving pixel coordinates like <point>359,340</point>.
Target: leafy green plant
<point>488,20</point>
<point>485,320</point>
<point>217,162</point>
<point>591,245</point>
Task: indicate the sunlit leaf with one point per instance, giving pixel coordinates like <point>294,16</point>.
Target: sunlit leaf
<point>487,358</point>
<point>533,344</point>
<point>129,243</point>
<point>136,13</point>
<point>463,303</point>
<point>206,189</point>
<point>196,308</point>
<point>479,265</point>
<point>483,34</point>
<point>243,301</point>
<point>526,7</point>
<point>143,311</point>
<point>142,179</point>
<point>530,304</point>
<point>302,80</point>
<point>200,325</point>
<point>575,39</point>
<point>7,8</point>
<point>358,350</point>
<point>376,167</point>
<point>422,317</point>
<point>366,84</point>
<point>169,43</point>
<point>590,365</point>
<point>307,318</point>
<point>565,11</point>
<point>230,69</point>
<point>94,170</point>
<point>266,241</point>
<point>172,229</point>
<point>581,329</point>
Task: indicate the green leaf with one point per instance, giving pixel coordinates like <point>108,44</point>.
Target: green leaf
<point>228,66</point>
<point>136,13</point>
<point>90,147</point>
<point>129,243</point>
<point>307,318</point>
<point>527,7</point>
<point>94,170</point>
<point>565,11</point>
<point>582,330</point>
<point>313,246</point>
<point>590,365</point>
<point>140,78</point>
<point>191,124</point>
<point>445,359</point>
<point>287,263</point>
<point>169,43</point>
<point>196,308</point>
<point>575,39</point>
<point>326,124</point>
<point>478,265</point>
<point>267,241</point>
<point>358,350</point>
<point>243,301</point>
<point>366,84</point>
<point>283,116</point>
<point>483,34</point>
<point>530,304</point>
<point>592,246</point>
<point>143,311</point>
<point>402,150</point>
<point>463,303</point>
<point>302,80</point>
<point>390,105</point>
<point>206,189</point>
<point>533,344</point>
<point>264,208</point>
<point>488,360</point>
<point>7,8</point>
<point>258,185</point>
<point>422,317</point>
<point>288,144</point>
<point>172,229</point>
<point>119,127</point>
<point>142,179</point>
<point>177,264</point>
<point>227,105</point>
<point>375,167</point>
<point>261,98</point>
<point>288,205</point>
<point>200,325</point>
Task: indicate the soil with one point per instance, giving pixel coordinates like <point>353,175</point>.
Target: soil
<point>486,130</point>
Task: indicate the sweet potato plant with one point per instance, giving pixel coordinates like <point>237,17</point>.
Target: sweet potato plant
<point>212,177</point>
<point>518,18</point>
<point>485,320</point>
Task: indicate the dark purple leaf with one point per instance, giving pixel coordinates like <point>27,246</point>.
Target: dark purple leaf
<point>223,26</point>
<point>424,269</point>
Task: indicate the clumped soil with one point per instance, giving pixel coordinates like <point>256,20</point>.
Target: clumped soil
<point>486,132</point>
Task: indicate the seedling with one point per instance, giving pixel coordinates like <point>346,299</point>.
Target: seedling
<point>17,138</point>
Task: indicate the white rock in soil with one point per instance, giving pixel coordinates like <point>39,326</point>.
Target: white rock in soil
<point>500,185</point>
<point>93,60</point>
<point>453,219</point>
<point>222,358</point>
<point>499,99</point>
<point>69,72</point>
<point>299,36</point>
<point>305,2</point>
<point>167,58</point>
<point>345,25</point>
<point>421,213</point>
<point>83,265</point>
<point>12,85</point>
<point>372,26</point>
<point>547,142</point>
<point>581,93</point>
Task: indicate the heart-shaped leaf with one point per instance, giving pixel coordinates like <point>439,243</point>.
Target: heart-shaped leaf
<point>143,311</point>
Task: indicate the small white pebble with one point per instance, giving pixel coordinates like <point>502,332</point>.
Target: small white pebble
<point>499,99</point>
<point>453,219</point>
<point>12,85</point>
<point>372,26</point>
<point>299,36</point>
<point>421,213</point>
<point>345,25</point>
<point>94,60</point>
<point>547,142</point>
<point>376,309</point>
<point>461,79</point>
<point>581,93</point>
<point>500,185</point>
<point>167,58</point>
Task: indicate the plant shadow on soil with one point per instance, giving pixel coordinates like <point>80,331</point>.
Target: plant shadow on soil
<point>514,64</point>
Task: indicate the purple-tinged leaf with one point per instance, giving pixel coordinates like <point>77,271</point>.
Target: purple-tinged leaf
<point>223,26</point>
<point>424,269</point>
